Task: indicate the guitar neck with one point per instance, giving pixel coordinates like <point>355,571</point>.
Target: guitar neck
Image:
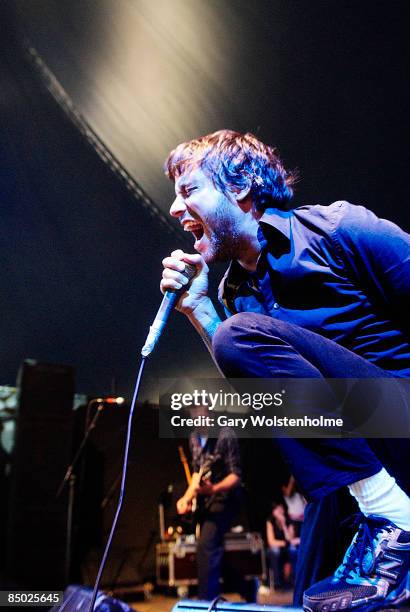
<point>184,462</point>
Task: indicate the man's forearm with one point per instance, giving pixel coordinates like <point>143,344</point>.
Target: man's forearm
<point>229,482</point>
<point>206,321</point>
<point>190,493</point>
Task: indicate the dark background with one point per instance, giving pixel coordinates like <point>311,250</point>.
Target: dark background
<point>80,253</point>
<point>324,81</point>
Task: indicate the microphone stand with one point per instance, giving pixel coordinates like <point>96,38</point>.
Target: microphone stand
<point>113,487</point>
<point>70,479</point>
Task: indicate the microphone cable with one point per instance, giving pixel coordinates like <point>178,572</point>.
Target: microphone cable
<point>168,302</point>
<point>122,487</point>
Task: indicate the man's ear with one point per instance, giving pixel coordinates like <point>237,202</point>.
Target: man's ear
<point>244,193</point>
<point>244,199</point>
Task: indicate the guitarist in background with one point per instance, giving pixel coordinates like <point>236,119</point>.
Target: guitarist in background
<point>215,485</point>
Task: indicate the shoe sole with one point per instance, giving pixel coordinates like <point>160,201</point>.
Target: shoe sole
<point>394,601</point>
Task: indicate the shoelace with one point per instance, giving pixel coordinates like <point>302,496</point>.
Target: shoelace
<point>365,540</point>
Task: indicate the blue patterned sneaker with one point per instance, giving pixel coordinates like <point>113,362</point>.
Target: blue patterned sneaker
<point>374,574</point>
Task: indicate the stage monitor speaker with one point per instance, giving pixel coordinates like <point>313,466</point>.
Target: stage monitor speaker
<point>78,599</point>
<point>42,452</point>
<point>226,606</point>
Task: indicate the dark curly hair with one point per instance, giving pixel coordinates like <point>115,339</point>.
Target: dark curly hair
<point>234,161</point>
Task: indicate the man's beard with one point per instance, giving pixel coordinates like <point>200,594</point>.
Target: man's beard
<point>225,242</point>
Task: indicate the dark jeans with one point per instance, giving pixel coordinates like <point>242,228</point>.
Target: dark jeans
<point>210,550</point>
<point>252,345</point>
<point>325,537</point>
<point>277,557</point>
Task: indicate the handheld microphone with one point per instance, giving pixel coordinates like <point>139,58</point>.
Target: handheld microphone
<point>167,305</point>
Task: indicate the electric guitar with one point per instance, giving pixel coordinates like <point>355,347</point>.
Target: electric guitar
<point>204,473</point>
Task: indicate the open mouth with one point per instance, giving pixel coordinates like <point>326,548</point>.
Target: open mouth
<point>196,228</point>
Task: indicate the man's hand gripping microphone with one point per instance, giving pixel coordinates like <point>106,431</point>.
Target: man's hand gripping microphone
<point>167,305</point>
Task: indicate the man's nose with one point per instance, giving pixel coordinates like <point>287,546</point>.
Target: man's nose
<point>177,207</point>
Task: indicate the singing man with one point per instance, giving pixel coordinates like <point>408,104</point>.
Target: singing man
<point>315,291</point>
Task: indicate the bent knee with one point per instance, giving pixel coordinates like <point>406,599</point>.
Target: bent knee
<point>225,341</point>
<point>239,335</point>
<point>245,327</point>
<point>229,330</point>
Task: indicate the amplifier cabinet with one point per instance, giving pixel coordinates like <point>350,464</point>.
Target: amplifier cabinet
<point>176,561</point>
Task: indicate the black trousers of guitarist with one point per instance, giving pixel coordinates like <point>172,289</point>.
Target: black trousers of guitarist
<point>215,522</point>
<point>216,484</point>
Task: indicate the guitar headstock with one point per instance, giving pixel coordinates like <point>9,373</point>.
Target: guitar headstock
<point>182,455</point>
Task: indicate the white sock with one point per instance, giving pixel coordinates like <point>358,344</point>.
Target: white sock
<point>381,495</point>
